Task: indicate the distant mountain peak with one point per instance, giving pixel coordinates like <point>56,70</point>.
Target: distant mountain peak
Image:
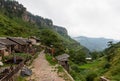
<point>94,44</point>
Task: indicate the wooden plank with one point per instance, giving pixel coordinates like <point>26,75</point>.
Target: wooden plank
<point>12,72</point>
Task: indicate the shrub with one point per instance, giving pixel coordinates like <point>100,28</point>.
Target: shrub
<point>77,76</point>
<point>107,65</point>
<point>75,68</point>
<point>50,59</point>
<point>60,69</point>
<point>91,76</point>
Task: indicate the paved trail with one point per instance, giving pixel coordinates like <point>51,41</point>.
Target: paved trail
<point>42,71</point>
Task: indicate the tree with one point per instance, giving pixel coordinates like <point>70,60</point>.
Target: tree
<point>110,43</point>
<point>95,55</point>
<point>49,37</point>
<point>80,56</point>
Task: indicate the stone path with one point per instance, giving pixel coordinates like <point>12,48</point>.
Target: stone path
<point>42,71</point>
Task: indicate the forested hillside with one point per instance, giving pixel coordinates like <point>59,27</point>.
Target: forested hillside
<point>113,60</point>
<point>16,21</point>
<point>105,65</point>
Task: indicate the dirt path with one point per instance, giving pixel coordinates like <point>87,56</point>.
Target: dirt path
<point>42,71</point>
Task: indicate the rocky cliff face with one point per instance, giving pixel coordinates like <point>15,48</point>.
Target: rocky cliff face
<point>10,7</point>
<point>13,8</point>
<point>60,30</point>
<point>40,21</point>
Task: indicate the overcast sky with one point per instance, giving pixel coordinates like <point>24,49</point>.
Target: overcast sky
<point>92,18</point>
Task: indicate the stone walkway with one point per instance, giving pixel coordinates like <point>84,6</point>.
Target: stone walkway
<point>42,71</point>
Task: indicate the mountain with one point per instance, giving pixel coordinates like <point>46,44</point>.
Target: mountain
<point>16,21</point>
<point>17,12</point>
<point>94,44</point>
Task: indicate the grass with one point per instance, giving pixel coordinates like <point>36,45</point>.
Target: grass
<point>16,27</point>
<point>19,78</point>
<point>90,65</point>
<point>92,70</point>
<point>24,55</point>
<point>60,69</point>
<point>32,59</point>
<point>50,59</point>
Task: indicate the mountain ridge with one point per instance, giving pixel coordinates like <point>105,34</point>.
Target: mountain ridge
<point>12,9</point>
<point>94,44</point>
<point>16,21</point>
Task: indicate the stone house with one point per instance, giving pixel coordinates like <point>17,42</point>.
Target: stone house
<point>10,45</point>
<point>63,60</point>
<point>35,41</point>
<point>22,44</point>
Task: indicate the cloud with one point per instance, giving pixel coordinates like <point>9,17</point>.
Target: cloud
<point>94,18</point>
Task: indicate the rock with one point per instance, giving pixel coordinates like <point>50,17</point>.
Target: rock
<point>26,72</point>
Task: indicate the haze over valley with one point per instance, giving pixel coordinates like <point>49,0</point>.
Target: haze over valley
<point>94,44</point>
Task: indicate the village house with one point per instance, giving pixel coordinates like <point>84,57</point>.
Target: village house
<point>63,60</point>
<point>22,44</point>
<point>10,46</point>
<point>30,48</point>
<point>2,51</point>
<point>35,41</point>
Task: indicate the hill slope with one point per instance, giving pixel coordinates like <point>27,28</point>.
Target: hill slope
<point>107,65</point>
<point>16,21</point>
<point>113,59</point>
<point>94,44</point>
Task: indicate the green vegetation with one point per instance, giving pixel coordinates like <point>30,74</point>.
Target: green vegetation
<point>20,79</point>
<point>15,27</point>
<point>13,23</point>
<point>90,65</point>
<point>23,55</point>
<point>113,61</point>
<point>60,69</point>
<point>20,23</point>
<point>107,66</point>
<point>50,37</point>
<point>50,59</point>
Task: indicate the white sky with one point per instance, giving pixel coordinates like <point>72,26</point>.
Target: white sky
<point>92,18</point>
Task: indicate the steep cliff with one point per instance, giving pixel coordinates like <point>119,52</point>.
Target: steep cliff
<point>12,9</point>
<point>15,20</point>
<point>60,30</point>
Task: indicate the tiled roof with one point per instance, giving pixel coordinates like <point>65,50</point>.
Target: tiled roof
<point>5,41</point>
<point>18,40</point>
<point>27,40</point>
<point>63,57</point>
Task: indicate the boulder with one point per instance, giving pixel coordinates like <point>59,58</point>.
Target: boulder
<point>26,72</point>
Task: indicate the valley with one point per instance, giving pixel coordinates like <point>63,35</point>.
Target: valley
<point>37,33</point>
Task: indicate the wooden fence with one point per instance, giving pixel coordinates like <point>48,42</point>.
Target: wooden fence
<point>11,72</point>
